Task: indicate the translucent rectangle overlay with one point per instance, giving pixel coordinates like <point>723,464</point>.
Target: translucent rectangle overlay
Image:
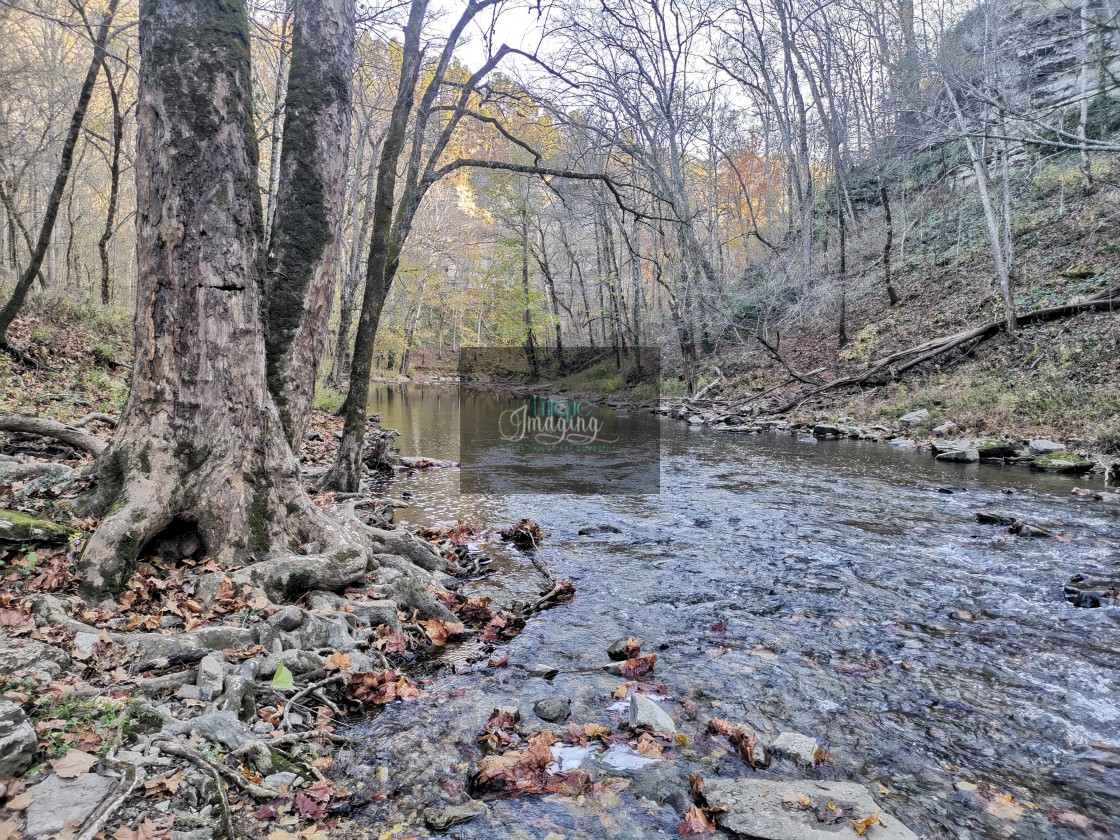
<point>558,423</point>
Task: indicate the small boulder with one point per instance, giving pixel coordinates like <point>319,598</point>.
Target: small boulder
<point>17,740</point>
<point>644,712</point>
<point>553,709</point>
<point>57,801</point>
<point>945,429</point>
<point>1044,447</point>
<point>622,649</point>
<point>964,456</point>
<point>826,430</point>
<point>996,517</point>
<point>277,780</point>
<point>800,747</point>
<point>1062,462</point>
<point>914,417</point>
<point>544,672</point>
<point>588,530</point>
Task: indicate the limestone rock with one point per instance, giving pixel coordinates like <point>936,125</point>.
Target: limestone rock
<point>553,709</point>
<point>17,740</point>
<point>914,417</point>
<point>985,447</point>
<point>964,456</point>
<point>644,711</point>
<point>30,655</point>
<point>1062,462</point>
<point>441,819</point>
<point>57,801</point>
<point>798,746</point>
<point>211,676</point>
<point>773,810</point>
<point>1044,447</point>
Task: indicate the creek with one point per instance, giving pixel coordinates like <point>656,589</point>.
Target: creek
<point>840,589</point>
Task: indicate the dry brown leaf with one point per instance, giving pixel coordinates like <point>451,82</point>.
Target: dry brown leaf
<point>697,821</point>
<point>649,747</point>
<point>337,662</point>
<point>147,830</point>
<point>21,802</point>
<point>73,764</point>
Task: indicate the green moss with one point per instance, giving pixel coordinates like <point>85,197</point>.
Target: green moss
<point>19,527</point>
<point>344,555</point>
<point>190,456</point>
<point>145,459</point>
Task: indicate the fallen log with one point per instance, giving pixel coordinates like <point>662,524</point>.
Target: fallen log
<point>892,367</point>
<point>70,435</point>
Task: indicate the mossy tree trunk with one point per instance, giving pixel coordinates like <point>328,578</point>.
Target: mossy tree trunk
<point>200,439</point>
<point>305,243</point>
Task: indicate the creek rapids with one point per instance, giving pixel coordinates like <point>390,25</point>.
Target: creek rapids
<point>836,588</point>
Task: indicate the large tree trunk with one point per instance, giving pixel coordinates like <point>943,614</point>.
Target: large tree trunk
<point>200,440</point>
<point>54,201</point>
<point>307,231</point>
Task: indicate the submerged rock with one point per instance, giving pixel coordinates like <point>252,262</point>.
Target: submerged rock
<point>777,810</point>
<point>553,709</point>
<point>800,747</point>
<point>1091,593</point>
<point>17,740</point>
<point>441,819</point>
<point>1062,462</point>
<point>644,712</point>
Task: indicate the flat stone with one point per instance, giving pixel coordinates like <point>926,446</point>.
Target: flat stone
<point>211,676</point>
<point>553,709</point>
<point>84,643</point>
<point>798,746</point>
<point>1044,447</point>
<point>996,517</point>
<point>441,819</point>
<point>17,740</point>
<point>772,810</point>
<point>945,429</point>
<point>278,779</point>
<point>544,672</point>
<point>644,712</point>
<point>965,456</point>
<point>985,447</point>
<point>57,801</point>
<point>826,430</point>
<point>1062,462</point>
<point>914,417</point>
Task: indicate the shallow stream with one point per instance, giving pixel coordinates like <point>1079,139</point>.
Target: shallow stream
<point>833,588</point>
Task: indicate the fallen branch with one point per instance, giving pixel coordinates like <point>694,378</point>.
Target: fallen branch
<point>107,419</point>
<point>70,435</point>
<point>892,367</point>
<point>772,349</point>
<point>110,806</point>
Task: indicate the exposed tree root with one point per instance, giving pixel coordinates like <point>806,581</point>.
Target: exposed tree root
<point>70,435</point>
<point>893,366</point>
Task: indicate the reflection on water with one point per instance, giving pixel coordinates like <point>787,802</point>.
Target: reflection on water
<point>840,589</point>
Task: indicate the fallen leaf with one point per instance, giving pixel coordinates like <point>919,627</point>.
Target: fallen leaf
<point>697,820</point>
<point>19,803</point>
<point>337,662</point>
<point>164,784</point>
<point>283,680</point>
<point>861,826</point>
<point>638,667</point>
<point>648,746</point>
<point>73,764</point>
<point>147,830</point>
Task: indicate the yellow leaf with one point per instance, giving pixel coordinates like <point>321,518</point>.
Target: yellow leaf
<point>883,788</point>
<point>861,826</point>
<point>337,662</point>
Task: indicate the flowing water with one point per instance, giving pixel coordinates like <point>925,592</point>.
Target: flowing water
<point>831,588</point>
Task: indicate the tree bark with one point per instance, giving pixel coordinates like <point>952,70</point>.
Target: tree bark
<point>200,439</point>
<point>345,473</point>
<point>888,245</point>
<point>307,231</point>
<point>31,270</point>
<point>114,188</point>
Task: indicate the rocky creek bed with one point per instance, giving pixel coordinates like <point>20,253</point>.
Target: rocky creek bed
<point>800,634</point>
